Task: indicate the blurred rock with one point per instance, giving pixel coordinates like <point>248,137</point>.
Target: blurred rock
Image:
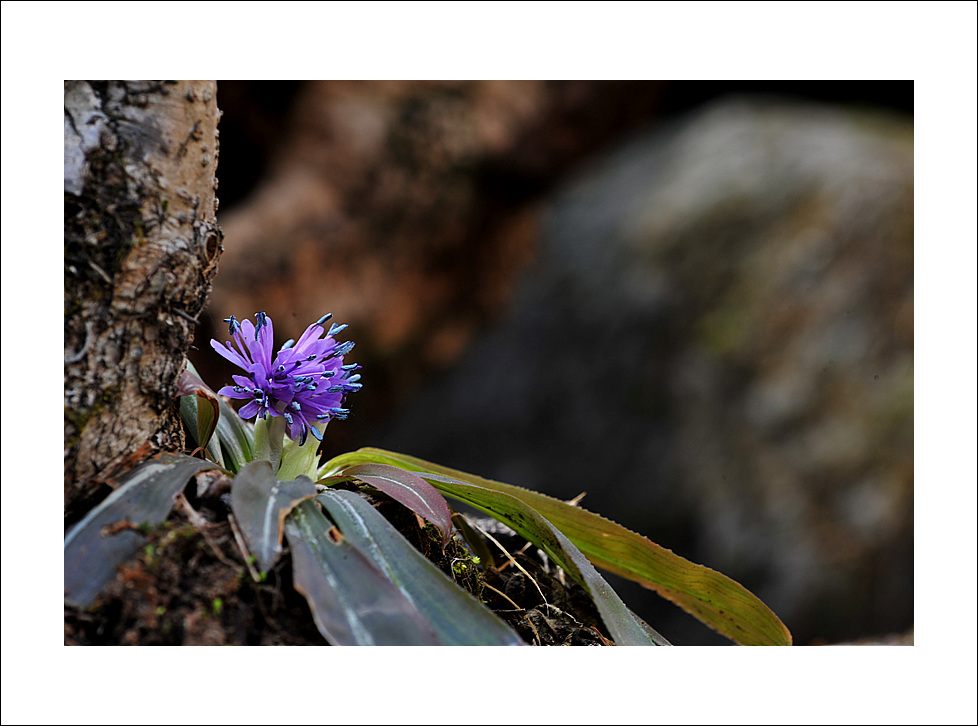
<point>716,342</point>
<point>406,208</point>
<point>905,638</point>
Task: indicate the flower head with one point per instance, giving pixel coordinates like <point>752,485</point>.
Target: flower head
<point>305,382</point>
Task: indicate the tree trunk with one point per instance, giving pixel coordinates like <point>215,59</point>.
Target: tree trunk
<point>141,248</point>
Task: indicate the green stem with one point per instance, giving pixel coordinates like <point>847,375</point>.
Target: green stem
<point>269,433</point>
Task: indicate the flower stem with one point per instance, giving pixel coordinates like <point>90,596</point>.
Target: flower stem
<point>269,433</point>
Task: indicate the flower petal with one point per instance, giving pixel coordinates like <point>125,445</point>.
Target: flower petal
<point>230,353</point>
<point>249,410</point>
<point>306,383</point>
<point>231,393</point>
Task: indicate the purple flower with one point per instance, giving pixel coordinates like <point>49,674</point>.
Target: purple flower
<point>305,383</point>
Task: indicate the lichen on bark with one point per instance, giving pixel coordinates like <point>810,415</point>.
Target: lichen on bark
<point>141,246</point>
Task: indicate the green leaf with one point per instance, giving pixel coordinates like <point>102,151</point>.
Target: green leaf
<point>260,503</point>
<point>205,407</point>
<point>111,533</point>
<point>713,598</point>
<point>456,616</point>
<point>623,627</point>
<point>235,444</point>
<point>188,412</point>
<point>200,410</point>
<point>299,458</point>
<point>352,601</point>
<point>208,412</point>
<point>237,437</point>
<point>410,490</point>
<point>654,634</point>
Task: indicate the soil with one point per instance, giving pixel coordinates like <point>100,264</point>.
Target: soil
<point>191,585</point>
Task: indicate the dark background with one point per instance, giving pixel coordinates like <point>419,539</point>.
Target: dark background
<point>256,114</point>
<point>449,223</point>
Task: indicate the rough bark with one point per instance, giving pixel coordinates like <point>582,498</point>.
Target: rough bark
<point>141,248</point>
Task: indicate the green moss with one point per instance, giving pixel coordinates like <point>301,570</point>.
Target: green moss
<point>79,418</point>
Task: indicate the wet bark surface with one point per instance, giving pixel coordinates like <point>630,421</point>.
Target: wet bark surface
<point>141,246</point>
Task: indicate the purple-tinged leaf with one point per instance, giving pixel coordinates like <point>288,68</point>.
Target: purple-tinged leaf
<point>410,490</point>
<point>111,533</point>
<point>457,617</point>
<point>207,408</point>
<point>352,601</point>
<point>260,503</point>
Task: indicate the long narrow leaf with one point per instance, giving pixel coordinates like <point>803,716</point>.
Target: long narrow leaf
<point>456,616</point>
<point>410,490</point>
<point>528,522</point>
<point>110,534</point>
<point>237,438</point>
<point>352,601</point>
<point>713,598</point>
<point>260,503</point>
